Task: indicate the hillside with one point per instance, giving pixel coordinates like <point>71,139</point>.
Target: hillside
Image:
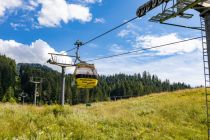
<point>178,115</point>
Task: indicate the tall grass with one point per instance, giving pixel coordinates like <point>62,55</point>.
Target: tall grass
<point>167,116</point>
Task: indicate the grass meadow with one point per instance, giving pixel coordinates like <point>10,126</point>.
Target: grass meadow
<point>177,115</point>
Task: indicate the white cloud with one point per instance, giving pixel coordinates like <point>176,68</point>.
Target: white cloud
<point>31,5</point>
<point>134,37</point>
<point>8,4</point>
<point>186,68</point>
<point>116,49</point>
<point>123,33</point>
<point>15,26</point>
<point>92,1</point>
<point>153,40</point>
<point>179,62</point>
<point>36,52</point>
<point>53,12</point>
<point>130,30</point>
<point>99,20</point>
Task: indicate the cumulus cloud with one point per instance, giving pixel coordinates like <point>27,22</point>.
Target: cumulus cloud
<point>154,40</point>
<point>186,68</point>
<point>132,34</point>
<point>8,4</point>
<point>36,52</point>
<point>183,67</point>
<point>53,12</point>
<point>179,62</point>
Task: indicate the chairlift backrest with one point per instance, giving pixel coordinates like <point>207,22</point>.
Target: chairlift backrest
<point>85,69</point>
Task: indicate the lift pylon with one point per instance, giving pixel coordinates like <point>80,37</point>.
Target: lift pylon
<point>22,96</point>
<point>36,81</point>
<point>63,61</point>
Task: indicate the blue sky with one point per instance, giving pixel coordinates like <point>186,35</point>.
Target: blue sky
<point>29,29</point>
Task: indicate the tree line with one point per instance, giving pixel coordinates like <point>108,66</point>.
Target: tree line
<point>15,79</point>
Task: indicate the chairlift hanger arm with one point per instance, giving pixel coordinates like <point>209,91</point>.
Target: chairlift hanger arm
<point>166,15</point>
<point>53,60</point>
<point>60,64</point>
<point>60,54</point>
<point>193,4</point>
<point>78,45</point>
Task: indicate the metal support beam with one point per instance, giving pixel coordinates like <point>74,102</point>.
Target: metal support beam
<point>207,26</point>
<point>36,81</point>
<point>35,92</point>
<point>182,10</point>
<point>53,61</point>
<point>182,26</point>
<point>63,87</point>
<point>23,96</point>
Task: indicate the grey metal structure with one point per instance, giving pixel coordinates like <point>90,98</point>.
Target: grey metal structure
<point>36,81</point>
<point>63,86</point>
<point>63,65</point>
<point>206,24</point>
<point>206,71</point>
<point>23,95</point>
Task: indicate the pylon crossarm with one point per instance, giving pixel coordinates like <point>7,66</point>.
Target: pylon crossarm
<point>182,10</point>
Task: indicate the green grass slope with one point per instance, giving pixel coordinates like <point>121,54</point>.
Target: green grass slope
<point>166,116</point>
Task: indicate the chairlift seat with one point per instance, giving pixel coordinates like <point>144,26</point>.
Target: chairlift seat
<point>86,76</point>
